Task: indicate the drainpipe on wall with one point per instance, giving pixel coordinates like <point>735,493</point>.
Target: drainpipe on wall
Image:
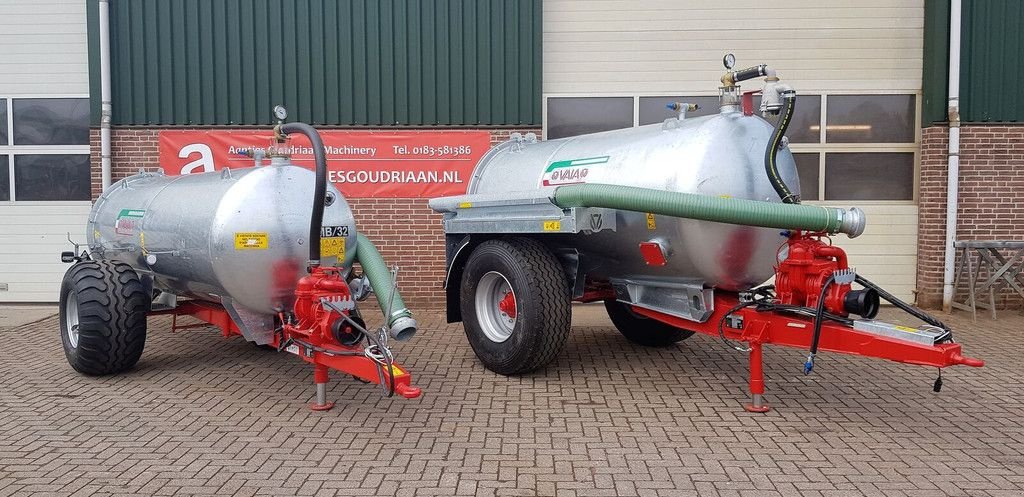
<point>953,169</point>
<point>105,93</point>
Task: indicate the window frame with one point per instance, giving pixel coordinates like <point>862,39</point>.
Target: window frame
<point>821,148</point>
<point>11,150</point>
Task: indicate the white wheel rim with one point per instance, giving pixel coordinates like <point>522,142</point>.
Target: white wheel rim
<point>496,324</point>
<point>71,319</point>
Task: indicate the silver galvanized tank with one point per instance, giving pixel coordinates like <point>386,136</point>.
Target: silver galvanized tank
<point>239,233</point>
<point>720,155</point>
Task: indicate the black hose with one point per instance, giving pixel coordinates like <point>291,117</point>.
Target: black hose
<point>750,73</point>
<point>320,188</point>
<point>819,313</point>
<point>770,154</point>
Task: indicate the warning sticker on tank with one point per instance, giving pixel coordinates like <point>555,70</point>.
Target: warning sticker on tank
<point>569,172</point>
<point>552,226</point>
<point>332,241</point>
<point>332,247</point>
<point>251,240</point>
<point>651,223</point>
<point>128,220</point>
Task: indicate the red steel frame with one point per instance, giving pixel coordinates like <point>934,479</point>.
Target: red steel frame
<point>330,356</point>
<point>773,328</point>
<point>800,278</point>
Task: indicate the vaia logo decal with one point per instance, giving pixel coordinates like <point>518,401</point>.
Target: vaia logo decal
<point>568,172</point>
<point>128,220</point>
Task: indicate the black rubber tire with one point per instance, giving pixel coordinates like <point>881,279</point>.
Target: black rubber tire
<point>642,330</point>
<point>112,307</point>
<point>543,306</point>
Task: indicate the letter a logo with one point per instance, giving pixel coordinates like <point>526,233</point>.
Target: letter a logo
<point>205,160</point>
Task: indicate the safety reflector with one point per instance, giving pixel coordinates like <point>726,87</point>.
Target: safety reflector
<point>653,253</point>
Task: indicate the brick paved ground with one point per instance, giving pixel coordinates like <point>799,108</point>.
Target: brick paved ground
<point>201,415</point>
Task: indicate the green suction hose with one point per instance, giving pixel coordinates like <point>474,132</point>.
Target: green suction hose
<point>709,208</point>
<point>400,320</point>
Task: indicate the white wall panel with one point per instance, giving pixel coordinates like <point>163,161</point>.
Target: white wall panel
<point>649,46</point>
<point>32,236</point>
<point>43,47</point>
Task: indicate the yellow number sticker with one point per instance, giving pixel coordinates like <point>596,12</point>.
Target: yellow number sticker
<point>253,240</point>
<point>651,225</point>
<point>332,247</point>
<point>552,226</point>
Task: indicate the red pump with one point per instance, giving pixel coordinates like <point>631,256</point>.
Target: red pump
<point>801,276</point>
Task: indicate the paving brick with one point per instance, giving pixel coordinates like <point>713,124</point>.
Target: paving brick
<point>201,415</point>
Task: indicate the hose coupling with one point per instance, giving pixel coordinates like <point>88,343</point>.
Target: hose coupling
<point>852,222</point>
<point>403,328</point>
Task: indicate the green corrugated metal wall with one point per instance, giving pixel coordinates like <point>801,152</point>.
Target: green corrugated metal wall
<point>345,62</point>
<point>990,61</point>
<point>936,62</point>
<point>991,46</point>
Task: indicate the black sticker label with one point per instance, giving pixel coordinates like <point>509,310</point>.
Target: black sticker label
<point>334,232</point>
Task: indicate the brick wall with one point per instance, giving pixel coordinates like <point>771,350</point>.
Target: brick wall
<point>991,199</point>
<point>405,230</point>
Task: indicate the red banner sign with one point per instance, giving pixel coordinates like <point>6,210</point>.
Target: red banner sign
<point>403,164</point>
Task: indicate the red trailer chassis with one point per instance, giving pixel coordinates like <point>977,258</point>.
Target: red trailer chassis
<point>804,279</point>
<point>761,328</point>
<point>314,331</point>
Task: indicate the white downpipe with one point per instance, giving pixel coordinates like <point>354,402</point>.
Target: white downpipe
<point>105,93</point>
<point>953,169</point>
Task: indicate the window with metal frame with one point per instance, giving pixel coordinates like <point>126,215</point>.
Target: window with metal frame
<point>44,149</point>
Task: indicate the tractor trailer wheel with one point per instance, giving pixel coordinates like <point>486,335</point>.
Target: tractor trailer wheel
<point>103,307</point>
<point>515,304</point>
<point>643,330</point>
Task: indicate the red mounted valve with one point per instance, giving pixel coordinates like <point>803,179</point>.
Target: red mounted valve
<point>808,266</point>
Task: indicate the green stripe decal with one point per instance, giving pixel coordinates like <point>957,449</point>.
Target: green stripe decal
<point>576,162</point>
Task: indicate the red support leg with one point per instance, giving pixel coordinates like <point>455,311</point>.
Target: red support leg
<point>756,381</point>
<point>321,378</point>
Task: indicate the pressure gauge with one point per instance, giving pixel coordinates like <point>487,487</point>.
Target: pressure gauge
<point>729,61</point>
<point>280,112</point>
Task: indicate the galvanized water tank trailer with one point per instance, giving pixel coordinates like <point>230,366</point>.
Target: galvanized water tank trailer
<point>264,252</point>
<point>656,217</point>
